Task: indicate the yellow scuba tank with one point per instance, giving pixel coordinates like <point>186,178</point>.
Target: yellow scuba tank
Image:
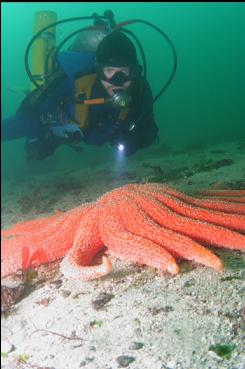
<point>44,46</point>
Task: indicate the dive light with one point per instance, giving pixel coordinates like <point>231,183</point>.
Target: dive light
<point>120,147</point>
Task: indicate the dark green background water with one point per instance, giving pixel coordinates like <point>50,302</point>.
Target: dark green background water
<point>204,103</point>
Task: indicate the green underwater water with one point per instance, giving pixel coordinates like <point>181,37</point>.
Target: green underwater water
<point>205,102</point>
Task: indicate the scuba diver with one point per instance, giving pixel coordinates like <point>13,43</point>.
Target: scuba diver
<point>96,95</point>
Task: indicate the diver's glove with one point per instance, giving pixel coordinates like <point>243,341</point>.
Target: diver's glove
<point>74,137</point>
<point>41,147</point>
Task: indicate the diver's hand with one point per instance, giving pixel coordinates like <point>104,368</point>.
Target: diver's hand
<point>68,133</point>
<point>73,137</point>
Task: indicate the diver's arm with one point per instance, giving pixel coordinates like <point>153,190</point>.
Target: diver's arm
<point>39,143</point>
<point>32,117</point>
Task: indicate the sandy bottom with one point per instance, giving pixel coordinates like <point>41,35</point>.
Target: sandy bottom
<point>134,317</point>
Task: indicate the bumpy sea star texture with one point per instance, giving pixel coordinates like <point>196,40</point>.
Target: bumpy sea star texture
<point>147,224</point>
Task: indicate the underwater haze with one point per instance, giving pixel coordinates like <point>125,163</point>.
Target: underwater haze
<point>204,103</point>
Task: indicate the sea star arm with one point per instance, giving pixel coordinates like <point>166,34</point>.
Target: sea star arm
<point>238,193</point>
<point>208,203</point>
<point>87,243</point>
<point>227,195</point>
<point>139,223</point>
<point>130,247</point>
<point>33,225</point>
<point>233,199</point>
<point>72,270</point>
<point>45,242</point>
<point>232,221</point>
<point>195,229</point>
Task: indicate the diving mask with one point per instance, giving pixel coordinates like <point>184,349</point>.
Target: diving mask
<point>118,78</point>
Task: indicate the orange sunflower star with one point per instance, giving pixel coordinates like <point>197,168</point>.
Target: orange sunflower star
<point>148,224</point>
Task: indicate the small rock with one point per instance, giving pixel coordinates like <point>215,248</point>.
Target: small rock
<point>65,293</point>
<point>102,299</point>
<point>124,361</point>
<point>136,345</point>
<point>10,296</point>
<point>189,283</point>
<point>89,359</point>
<point>155,310</point>
<point>57,284</point>
<point>168,308</point>
<point>44,302</point>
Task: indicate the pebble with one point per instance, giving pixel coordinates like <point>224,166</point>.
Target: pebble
<point>136,345</point>
<point>102,299</point>
<point>65,293</point>
<point>10,296</point>
<point>124,361</point>
<point>167,309</point>
<point>57,284</point>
